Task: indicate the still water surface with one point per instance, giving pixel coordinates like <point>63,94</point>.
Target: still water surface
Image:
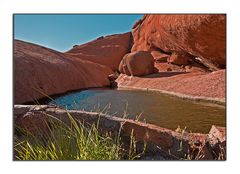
<point>154,107</point>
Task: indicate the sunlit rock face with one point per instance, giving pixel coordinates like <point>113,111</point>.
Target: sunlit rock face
<point>137,63</point>
<point>107,51</point>
<point>40,72</point>
<point>202,36</point>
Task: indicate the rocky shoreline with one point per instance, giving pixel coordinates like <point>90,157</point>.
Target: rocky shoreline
<point>218,101</point>
<point>162,62</point>
<point>162,143</point>
<point>196,86</point>
<point>180,55</point>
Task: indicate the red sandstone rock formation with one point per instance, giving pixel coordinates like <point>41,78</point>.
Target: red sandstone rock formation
<point>159,57</point>
<point>41,69</point>
<point>107,50</point>
<point>198,84</point>
<point>202,36</point>
<point>137,63</point>
<point>179,59</point>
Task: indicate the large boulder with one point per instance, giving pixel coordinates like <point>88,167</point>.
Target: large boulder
<point>40,72</point>
<point>107,51</point>
<point>202,36</point>
<point>137,63</point>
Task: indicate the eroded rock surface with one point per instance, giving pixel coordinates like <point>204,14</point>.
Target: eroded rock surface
<point>179,59</point>
<point>107,51</point>
<point>189,53</point>
<point>137,63</point>
<point>161,143</point>
<point>41,72</point>
<point>201,36</point>
<point>160,57</point>
<point>194,84</point>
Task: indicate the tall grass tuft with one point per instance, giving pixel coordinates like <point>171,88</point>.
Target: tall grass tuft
<point>77,141</point>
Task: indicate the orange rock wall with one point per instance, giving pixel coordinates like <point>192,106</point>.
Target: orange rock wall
<point>40,71</point>
<point>107,51</point>
<point>202,36</point>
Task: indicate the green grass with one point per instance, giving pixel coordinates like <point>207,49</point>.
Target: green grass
<point>77,141</point>
<point>82,141</point>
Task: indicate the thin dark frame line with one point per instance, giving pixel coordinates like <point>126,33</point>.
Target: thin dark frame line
<point>13,85</point>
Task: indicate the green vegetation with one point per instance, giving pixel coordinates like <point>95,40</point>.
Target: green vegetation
<point>77,141</point>
<point>54,139</point>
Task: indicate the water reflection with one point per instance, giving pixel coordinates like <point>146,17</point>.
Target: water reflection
<point>163,110</point>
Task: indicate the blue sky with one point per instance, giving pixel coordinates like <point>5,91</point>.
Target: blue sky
<point>61,32</point>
